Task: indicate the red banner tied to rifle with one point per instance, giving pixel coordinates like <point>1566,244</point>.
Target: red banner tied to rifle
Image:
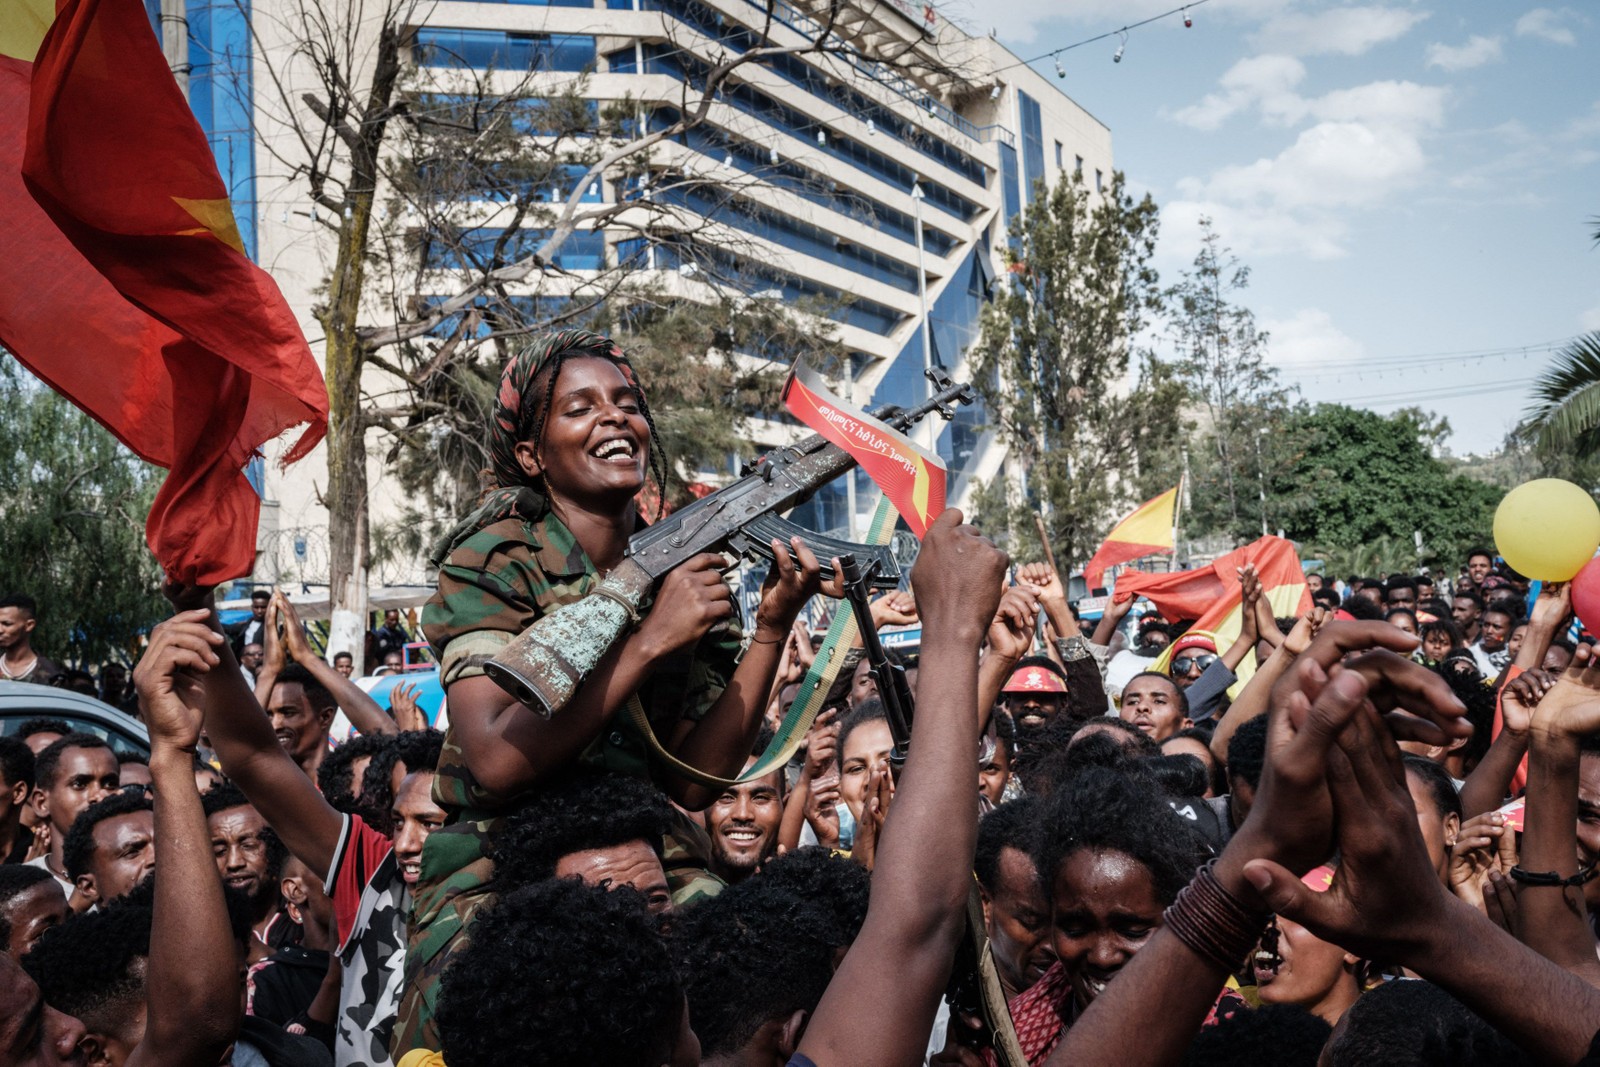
<point>912,479</point>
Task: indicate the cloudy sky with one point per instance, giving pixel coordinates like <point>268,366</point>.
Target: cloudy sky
<point>1409,182</point>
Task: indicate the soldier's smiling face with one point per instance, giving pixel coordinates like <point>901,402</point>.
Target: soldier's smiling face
<point>595,440</point>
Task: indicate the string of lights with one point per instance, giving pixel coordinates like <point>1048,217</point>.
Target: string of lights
<point>1121,33</point>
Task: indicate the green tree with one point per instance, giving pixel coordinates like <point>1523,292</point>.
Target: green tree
<point>1221,358</point>
<point>72,507</point>
<point>1053,362</point>
<point>1564,420</point>
<point>1353,481</point>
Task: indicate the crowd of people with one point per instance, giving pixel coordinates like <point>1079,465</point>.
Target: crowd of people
<point>1367,834</point>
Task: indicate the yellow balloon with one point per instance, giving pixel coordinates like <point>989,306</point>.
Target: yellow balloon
<point>1547,529</point>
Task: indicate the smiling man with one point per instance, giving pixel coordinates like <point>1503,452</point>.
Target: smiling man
<point>743,824</point>
<point>1034,694</point>
<point>301,709</point>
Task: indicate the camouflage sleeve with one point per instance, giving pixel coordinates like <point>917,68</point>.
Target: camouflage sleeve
<point>491,582</point>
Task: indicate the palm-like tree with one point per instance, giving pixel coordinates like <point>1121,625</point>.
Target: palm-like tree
<point>1565,415</point>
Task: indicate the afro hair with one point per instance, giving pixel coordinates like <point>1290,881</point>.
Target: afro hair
<point>758,952</point>
<point>1417,1024</point>
<point>335,777</point>
<point>92,966</point>
<point>560,972</point>
<point>585,810</point>
<point>844,885</point>
<point>77,852</point>
<point>1011,825</point>
<point>1247,752</point>
<point>1107,810</point>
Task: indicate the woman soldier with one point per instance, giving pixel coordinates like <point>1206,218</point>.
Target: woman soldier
<point>570,443</point>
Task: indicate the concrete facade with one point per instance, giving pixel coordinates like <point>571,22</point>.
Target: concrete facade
<point>957,116</point>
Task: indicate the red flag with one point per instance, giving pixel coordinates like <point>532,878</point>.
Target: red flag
<point>911,478</point>
<point>1210,594</point>
<point>125,285</point>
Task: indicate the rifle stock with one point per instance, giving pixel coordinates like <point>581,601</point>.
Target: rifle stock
<point>544,665</point>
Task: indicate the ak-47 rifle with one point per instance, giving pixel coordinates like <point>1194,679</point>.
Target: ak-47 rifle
<point>894,691</point>
<point>977,1001</point>
<point>545,664</point>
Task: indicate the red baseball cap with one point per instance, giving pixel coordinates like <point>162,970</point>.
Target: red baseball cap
<point>1188,641</point>
<point>1034,680</point>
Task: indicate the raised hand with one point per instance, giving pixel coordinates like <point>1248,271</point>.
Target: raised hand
<point>1047,585</point>
<point>822,810</point>
<point>692,599</point>
<point>957,579</point>
<point>894,608</point>
<point>408,715</point>
<point>1485,846</point>
<point>1011,632</point>
<point>1521,696</point>
<point>294,633</point>
<point>875,809</point>
<point>1552,606</point>
<point>1416,701</point>
<point>822,745</point>
<point>1572,706</point>
<point>184,644</point>
<point>273,652</point>
<point>789,586</point>
<point>1385,897</point>
<point>1299,638</point>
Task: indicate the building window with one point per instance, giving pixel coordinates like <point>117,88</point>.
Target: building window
<point>1099,182</point>
<point>1059,157</point>
<point>1032,144</point>
<point>482,49</point>
<point>1077,165</point>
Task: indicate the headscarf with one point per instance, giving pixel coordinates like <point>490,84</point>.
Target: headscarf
<point>514,494</point>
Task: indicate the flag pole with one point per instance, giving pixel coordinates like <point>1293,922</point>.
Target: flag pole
<point>1177,511</point>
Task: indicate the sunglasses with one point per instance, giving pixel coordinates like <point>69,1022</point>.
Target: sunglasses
<point>1185,664</point>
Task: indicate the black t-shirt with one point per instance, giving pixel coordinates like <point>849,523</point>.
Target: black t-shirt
<point>287,983</point>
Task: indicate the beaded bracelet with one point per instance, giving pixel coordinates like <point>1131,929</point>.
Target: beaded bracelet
<point>1214,923</point>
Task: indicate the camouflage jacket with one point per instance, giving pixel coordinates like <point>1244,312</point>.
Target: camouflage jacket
<point>493,586</point>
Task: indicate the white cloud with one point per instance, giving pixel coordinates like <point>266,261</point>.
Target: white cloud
<point>1348,31</point>
<point>1259,80</point>
<point>1545,24</point>
<point>1475,53</point>
<point>1363,149</point>
<point>1308,339</point>
<point>1590,320</point>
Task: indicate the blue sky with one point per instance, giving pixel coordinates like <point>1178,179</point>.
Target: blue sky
<point>1405,180</point>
